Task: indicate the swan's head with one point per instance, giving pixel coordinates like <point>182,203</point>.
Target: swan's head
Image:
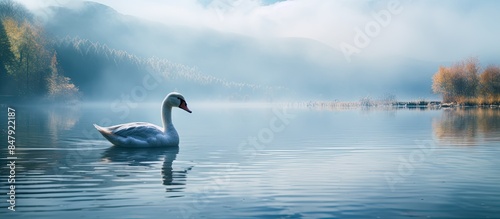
<point>175,99</point>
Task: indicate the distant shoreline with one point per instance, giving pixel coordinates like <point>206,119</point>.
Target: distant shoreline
<point>386,105</point>
<point>363,104</point>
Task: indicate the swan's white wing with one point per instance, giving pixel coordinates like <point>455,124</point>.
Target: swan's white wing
<point>138,134</point>
<point>138,130</point>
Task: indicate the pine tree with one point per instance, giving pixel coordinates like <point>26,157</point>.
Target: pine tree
<point>59,87</point>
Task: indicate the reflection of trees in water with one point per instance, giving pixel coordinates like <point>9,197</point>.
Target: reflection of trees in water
<point>41,127</point>
<point>489,122</point>
<point>36,123</point>
<point>62,118</point>
<point>466,126</point>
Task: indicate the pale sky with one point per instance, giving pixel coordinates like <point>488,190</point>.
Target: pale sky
<point>422,29</point>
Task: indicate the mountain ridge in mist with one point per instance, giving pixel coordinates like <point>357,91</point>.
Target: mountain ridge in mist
<point>308,68</point>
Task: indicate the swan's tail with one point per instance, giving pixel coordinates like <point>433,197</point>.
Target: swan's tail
<point>102,130</point>
<point>106,133</point>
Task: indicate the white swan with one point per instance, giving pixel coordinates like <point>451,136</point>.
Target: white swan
<point>142,134</point>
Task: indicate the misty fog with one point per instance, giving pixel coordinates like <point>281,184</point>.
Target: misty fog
<point>265,50</point>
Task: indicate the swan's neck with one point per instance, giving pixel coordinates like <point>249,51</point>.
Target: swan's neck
<point>166,117</point>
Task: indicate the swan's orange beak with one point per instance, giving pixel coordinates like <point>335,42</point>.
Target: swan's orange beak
<point>184,106</point>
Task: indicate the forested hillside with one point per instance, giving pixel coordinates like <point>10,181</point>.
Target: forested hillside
<point>36,64</point>
<point>101,71</point>
<point>29,64</point>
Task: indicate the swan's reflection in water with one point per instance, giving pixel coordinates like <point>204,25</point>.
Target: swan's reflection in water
<point>174,180</point>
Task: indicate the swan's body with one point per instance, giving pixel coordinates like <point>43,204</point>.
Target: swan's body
<point>142,134</point>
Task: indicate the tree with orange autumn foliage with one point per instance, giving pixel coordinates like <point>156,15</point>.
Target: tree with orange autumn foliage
<point>490,84</point>
<point>461,83</point>
<point>457,82</point>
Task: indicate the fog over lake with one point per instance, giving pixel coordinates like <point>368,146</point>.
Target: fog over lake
<point>315,164</point>
<point>281,108</point>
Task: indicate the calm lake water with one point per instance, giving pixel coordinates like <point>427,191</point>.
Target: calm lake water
<point>256,162</point>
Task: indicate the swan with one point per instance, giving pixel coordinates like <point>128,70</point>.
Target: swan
<point>142,134</point>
